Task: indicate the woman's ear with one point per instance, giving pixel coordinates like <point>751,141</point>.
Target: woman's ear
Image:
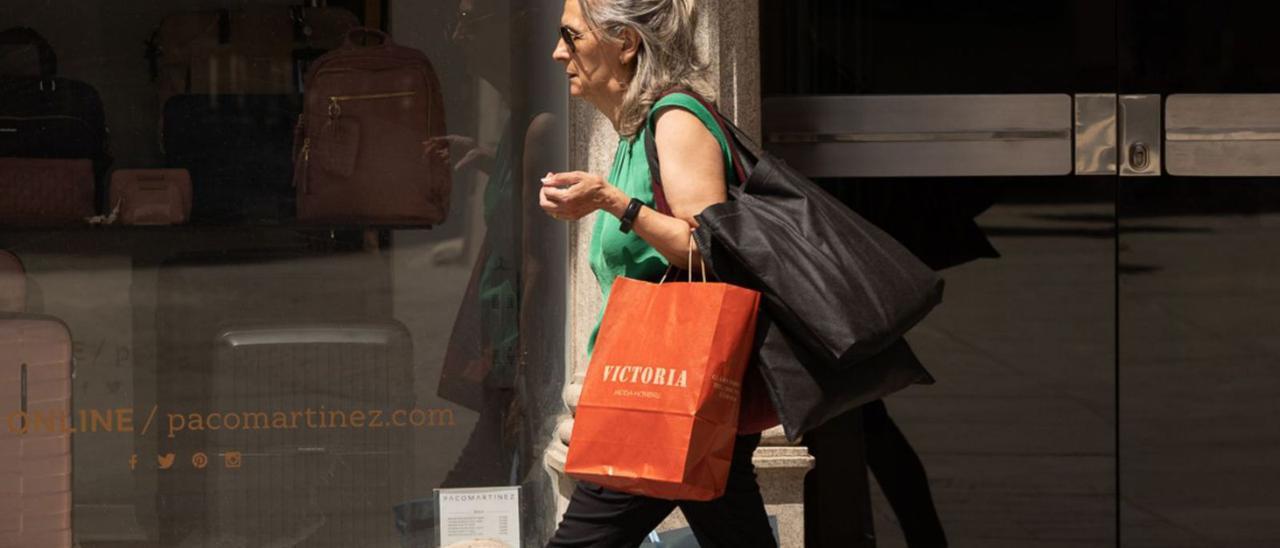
<point>630,46</point>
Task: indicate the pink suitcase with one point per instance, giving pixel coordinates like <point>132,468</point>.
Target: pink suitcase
<point>35,466</point>
<point>150,196</point>
<point>13,283</point>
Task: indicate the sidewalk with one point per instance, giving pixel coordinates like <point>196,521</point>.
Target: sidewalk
<point>1018,434</point>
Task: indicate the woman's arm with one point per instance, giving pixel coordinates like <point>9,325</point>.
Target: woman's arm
<point>473,153</point>
<point>692,177</point>
<point>538,158</point>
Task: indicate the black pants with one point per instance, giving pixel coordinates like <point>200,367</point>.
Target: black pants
<point>837,493</point>
<point>602,518</point>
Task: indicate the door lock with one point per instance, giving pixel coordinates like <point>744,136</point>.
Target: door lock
<point>1140,136</point>
<point>1139,156</point>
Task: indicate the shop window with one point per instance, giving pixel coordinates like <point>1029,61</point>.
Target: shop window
<point>272,272</point>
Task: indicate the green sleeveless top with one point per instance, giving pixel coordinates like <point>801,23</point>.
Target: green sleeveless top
<point>614,253</point>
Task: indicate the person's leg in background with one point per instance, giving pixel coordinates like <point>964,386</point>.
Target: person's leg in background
<point>837,491</point>
<point>902,478</point>
<point>737,519</point>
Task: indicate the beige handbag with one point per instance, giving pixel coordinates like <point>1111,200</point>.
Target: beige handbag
<point>150,196</point>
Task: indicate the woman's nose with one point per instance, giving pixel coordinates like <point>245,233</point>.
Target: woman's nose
<point>561,53</point>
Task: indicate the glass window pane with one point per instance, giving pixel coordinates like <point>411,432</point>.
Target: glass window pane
<point>362,303</point>
<point>1017,436</point>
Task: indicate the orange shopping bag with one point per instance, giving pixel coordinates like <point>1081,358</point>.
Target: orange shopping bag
<point>659,409</point>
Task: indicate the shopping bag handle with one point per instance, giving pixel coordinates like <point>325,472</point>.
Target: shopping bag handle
<point>701,262</point>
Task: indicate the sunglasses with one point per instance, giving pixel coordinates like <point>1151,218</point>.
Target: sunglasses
<point>570,36</point>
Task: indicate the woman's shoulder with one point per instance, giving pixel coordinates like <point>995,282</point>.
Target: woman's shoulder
<point>679,99</point>
<point>695,113</point>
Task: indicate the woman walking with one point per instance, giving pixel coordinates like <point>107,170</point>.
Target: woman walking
<point>622,57</point>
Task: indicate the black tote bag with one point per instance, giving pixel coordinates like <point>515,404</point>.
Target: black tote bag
<point>753,240</point>
<point>837,284</point>
<point>806,395</point>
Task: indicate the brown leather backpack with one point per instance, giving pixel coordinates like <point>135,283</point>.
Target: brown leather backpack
<point>358,145</point>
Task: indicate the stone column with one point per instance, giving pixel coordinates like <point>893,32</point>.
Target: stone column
<point>729,37</point>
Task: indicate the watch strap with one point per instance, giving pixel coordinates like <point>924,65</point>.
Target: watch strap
<point>629,216</point>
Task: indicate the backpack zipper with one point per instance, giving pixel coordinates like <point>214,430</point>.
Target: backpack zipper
<point>335,101</point>
<point>300,168</point>
<point>45,117</point>
<point>302,154</point>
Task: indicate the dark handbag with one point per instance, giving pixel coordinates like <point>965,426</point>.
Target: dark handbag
<point>835,307</point>
<point>49,117</point>
<point>806,397</point>
<point>44,116</point>
<point>24,52</point>
<point>806,393</point>
<point>238,149</point>
<point>836,283</point>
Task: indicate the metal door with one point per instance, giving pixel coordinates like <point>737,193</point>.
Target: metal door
<point>1109,377</point>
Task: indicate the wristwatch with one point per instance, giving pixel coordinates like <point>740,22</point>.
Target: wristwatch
<point>629,217</point>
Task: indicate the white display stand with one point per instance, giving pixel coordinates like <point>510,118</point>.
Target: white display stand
<point>487,515</point>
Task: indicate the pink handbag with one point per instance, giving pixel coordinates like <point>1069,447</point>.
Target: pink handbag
<point>150,196</point>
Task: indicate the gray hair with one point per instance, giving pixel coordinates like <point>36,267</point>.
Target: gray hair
<point>667,57</point>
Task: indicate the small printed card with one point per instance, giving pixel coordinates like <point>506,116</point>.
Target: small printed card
<point>489,516</point>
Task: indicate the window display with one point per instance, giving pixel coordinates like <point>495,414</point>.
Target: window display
<point>271,274</point>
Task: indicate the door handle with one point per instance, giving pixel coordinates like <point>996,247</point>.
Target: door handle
<point>22,381</point>
<point>1222,134</point>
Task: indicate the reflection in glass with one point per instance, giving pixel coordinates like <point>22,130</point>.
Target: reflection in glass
<point>291,385</point>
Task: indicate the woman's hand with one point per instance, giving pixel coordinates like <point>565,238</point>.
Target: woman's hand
<point>573,195</point>
<point>473,154</point>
